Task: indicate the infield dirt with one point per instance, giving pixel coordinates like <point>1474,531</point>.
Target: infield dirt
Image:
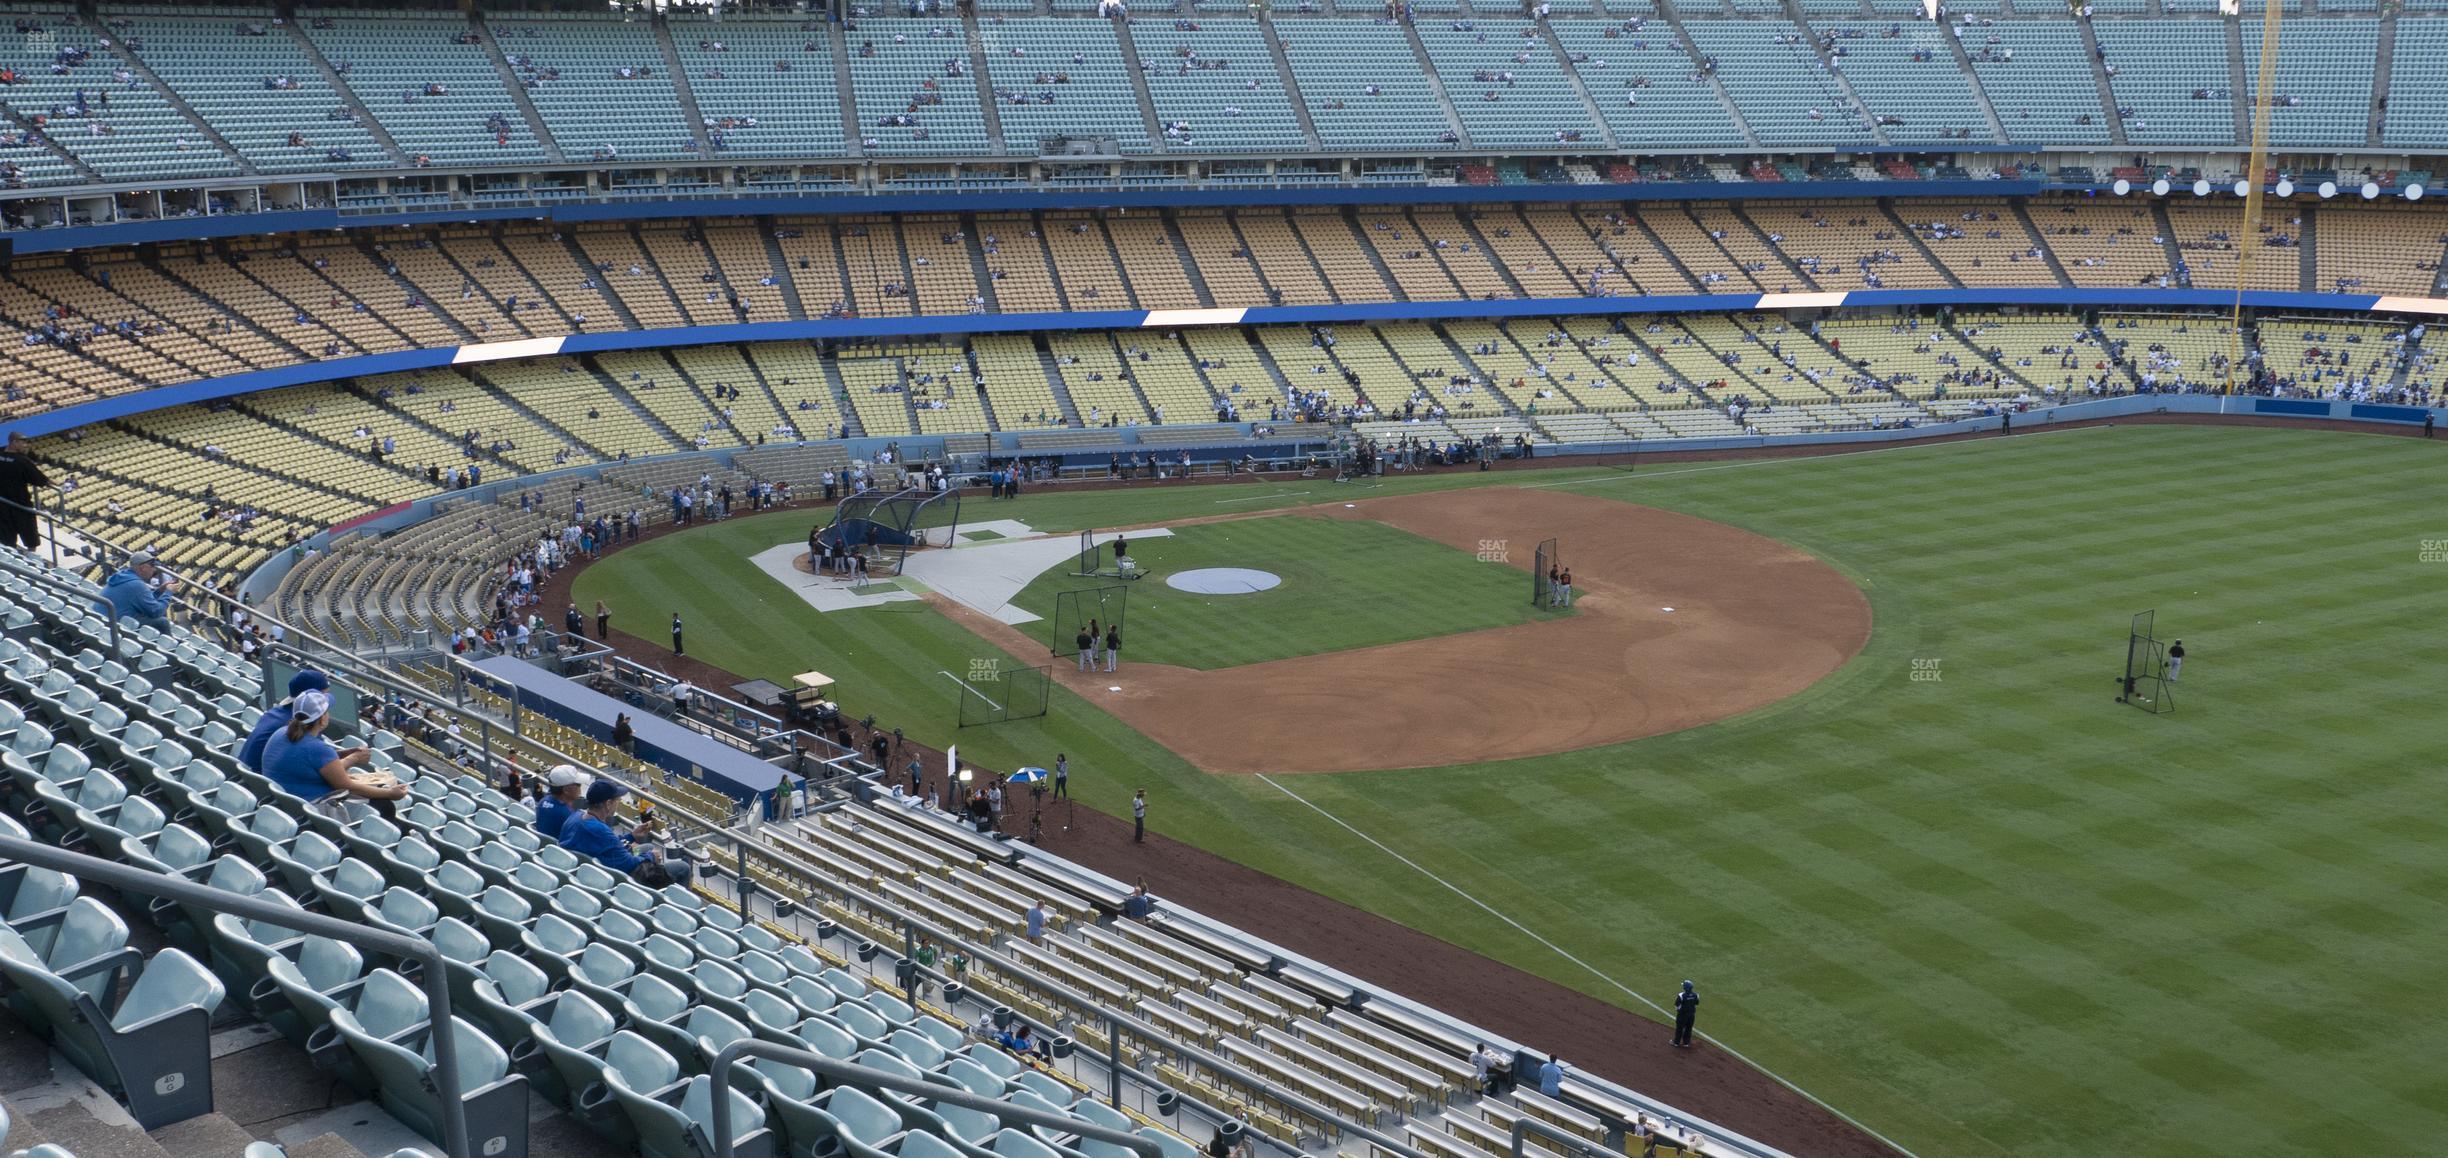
<point>1682,622</point>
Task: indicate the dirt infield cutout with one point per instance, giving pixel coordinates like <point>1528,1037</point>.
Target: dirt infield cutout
<point>1753,621</point>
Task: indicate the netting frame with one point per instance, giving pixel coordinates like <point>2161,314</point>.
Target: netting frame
<point>884,525</point>
<point>993,693</point>
<point>2145,684</point>
<point>1550,554</point>
<point>1111,605</point>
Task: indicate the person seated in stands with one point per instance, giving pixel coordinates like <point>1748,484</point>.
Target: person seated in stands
<point>564,797</point>
<point>590,834</point>
<point>132,593</point>
<point>300,762</point>
<point>1021,1040</point>
<point>276,718</point>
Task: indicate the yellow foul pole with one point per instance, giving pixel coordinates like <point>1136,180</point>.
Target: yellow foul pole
<point>2248,239</point>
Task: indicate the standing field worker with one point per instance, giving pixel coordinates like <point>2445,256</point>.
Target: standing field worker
<point>2175,659</point>
<point>676,648</point>
<point>1087,648</point>
<point>19,475</point>
<point>1564,588</point>
<point>1062,775</point>
<point>1139,817</point>
<point>1113,647</point>
<point>603,621</point>
<point>1687,1010</point>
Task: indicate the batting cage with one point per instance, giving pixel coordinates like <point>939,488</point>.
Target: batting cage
<point>884,526</point>
<point>1101,607</point>
<point>994,691</point>
<point>2145,684</point>
<point>1550,558</point>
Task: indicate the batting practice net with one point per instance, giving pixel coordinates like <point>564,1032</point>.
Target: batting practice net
<point>1549,557</point>
<point>993,691</point>
<point>2145,684</point>
<point>1101,560</point>
<point>1101,607</point>
<point>885,526</point>
<point>1090,555</point>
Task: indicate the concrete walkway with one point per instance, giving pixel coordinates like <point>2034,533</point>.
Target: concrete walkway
<point>985,576</point>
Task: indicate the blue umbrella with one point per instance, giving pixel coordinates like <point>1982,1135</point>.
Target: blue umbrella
<point>1028,775</point>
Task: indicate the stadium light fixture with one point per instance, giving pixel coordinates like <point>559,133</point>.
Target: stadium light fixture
<point>2414,192</point>
<point>2243,188</point>
<point>2122,187</point>
<point>2328,189</point>
<point>2159,188</point>
<point>2286,188</point>
<point>2371,189</point>
<point>2201,186</point>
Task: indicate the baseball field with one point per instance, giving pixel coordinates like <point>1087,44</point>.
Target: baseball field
<point>1921,862</point>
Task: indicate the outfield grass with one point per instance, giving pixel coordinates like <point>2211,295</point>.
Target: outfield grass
<point>1346,584</point>
<point>1992,913</point>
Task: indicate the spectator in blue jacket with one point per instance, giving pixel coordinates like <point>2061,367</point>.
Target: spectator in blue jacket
<point>303,764</point>
<point>129,593</point>
<point>590,834</point>
<point>274,719</point>
<point>564,797</point>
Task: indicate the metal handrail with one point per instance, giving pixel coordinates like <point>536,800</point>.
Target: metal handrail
<point>127,878</point>
<point>842,1071</point>
<point>1115,1019</point>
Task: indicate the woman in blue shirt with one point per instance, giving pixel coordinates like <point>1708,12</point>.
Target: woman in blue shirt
<point>303,764</point>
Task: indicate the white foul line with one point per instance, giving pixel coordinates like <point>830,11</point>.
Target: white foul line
<point>1593,970</point>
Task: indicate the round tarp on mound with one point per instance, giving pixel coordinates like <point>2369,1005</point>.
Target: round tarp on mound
<point>1222,581</point>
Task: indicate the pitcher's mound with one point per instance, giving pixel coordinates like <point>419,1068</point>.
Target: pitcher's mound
<point>1223,581</point>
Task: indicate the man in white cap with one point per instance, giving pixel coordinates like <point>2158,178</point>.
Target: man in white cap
<point>130,594</point>
<point>564,796</point>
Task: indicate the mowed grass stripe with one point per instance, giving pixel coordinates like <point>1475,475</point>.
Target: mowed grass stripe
<point>1345,584</point>
<point>1996,913</point>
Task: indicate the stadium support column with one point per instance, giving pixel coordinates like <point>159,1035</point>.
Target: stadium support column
<point>1113,1062</point>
